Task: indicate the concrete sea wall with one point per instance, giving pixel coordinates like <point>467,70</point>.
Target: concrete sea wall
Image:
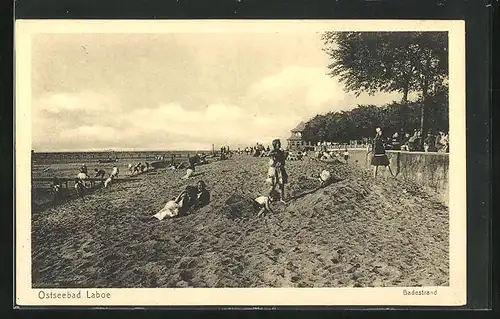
<point>427,169</point>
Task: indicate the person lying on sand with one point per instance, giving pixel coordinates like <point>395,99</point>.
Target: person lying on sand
<point>325,178</point>
<point>262,204</point>
<point>180,205</point>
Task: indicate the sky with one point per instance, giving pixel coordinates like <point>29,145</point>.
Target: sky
<point>179,91</point>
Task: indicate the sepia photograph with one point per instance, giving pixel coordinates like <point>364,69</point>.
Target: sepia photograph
<point>313,155</point>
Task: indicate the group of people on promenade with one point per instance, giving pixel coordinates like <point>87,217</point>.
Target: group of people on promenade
<point>432,142</point>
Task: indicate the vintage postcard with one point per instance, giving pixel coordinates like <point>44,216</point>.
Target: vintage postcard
<point>243,162</point>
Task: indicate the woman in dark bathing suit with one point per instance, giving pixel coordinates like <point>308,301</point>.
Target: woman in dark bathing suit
<point>379,157</point>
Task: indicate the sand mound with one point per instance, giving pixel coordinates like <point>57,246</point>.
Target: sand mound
<point>238,206</point>
<point>355,232</point>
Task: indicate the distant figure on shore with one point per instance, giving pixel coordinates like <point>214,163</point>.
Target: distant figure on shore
<point>405,142</point>
<point>115,171</point>
<point>191,168</point>
<point>379,157</point>
<point>109,181</point>
<point>130,169</point>
<point>346,155</point>
<point>441,143</point>
<point>82,176</point>
<point>147,166</point>
<point>80,188</point>
<point>137,168</point>
<point>430,142</point>
<point>396,142</point>
<point>280,175</point>
<point>100,173</point>
<point>84,169</point>
<point>57,189</point>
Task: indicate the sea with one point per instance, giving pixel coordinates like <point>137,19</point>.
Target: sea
<point>48,158</point>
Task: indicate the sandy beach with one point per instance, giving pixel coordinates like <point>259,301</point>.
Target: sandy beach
<point>356,232</point>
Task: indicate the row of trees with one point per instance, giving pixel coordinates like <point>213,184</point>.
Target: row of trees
<point>361,121</point>
<point>387,62</point>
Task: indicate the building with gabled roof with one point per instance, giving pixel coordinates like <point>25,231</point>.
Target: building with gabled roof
<point>296,141</point>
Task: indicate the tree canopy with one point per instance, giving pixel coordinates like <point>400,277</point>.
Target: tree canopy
<point>361,121</point>
<point>390,62</point>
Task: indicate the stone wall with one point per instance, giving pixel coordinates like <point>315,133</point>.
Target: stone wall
<point>428,169</point>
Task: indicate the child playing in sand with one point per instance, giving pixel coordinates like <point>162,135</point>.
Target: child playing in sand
<point>262,204</point>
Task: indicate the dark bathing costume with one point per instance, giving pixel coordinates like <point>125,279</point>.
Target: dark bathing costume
<point>379,157</point>
<point>279,157</point>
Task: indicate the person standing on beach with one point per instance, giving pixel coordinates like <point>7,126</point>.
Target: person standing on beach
<point>281,177</point>
<point>379,157</point>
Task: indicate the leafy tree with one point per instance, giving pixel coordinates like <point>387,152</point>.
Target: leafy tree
<point>391,62</point>
<point>361,121</point>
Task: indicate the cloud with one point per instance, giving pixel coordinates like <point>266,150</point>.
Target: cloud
<point>63,121</point>
<point>301,90</point>
<point>269,108</point>
<point>217,123</point>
